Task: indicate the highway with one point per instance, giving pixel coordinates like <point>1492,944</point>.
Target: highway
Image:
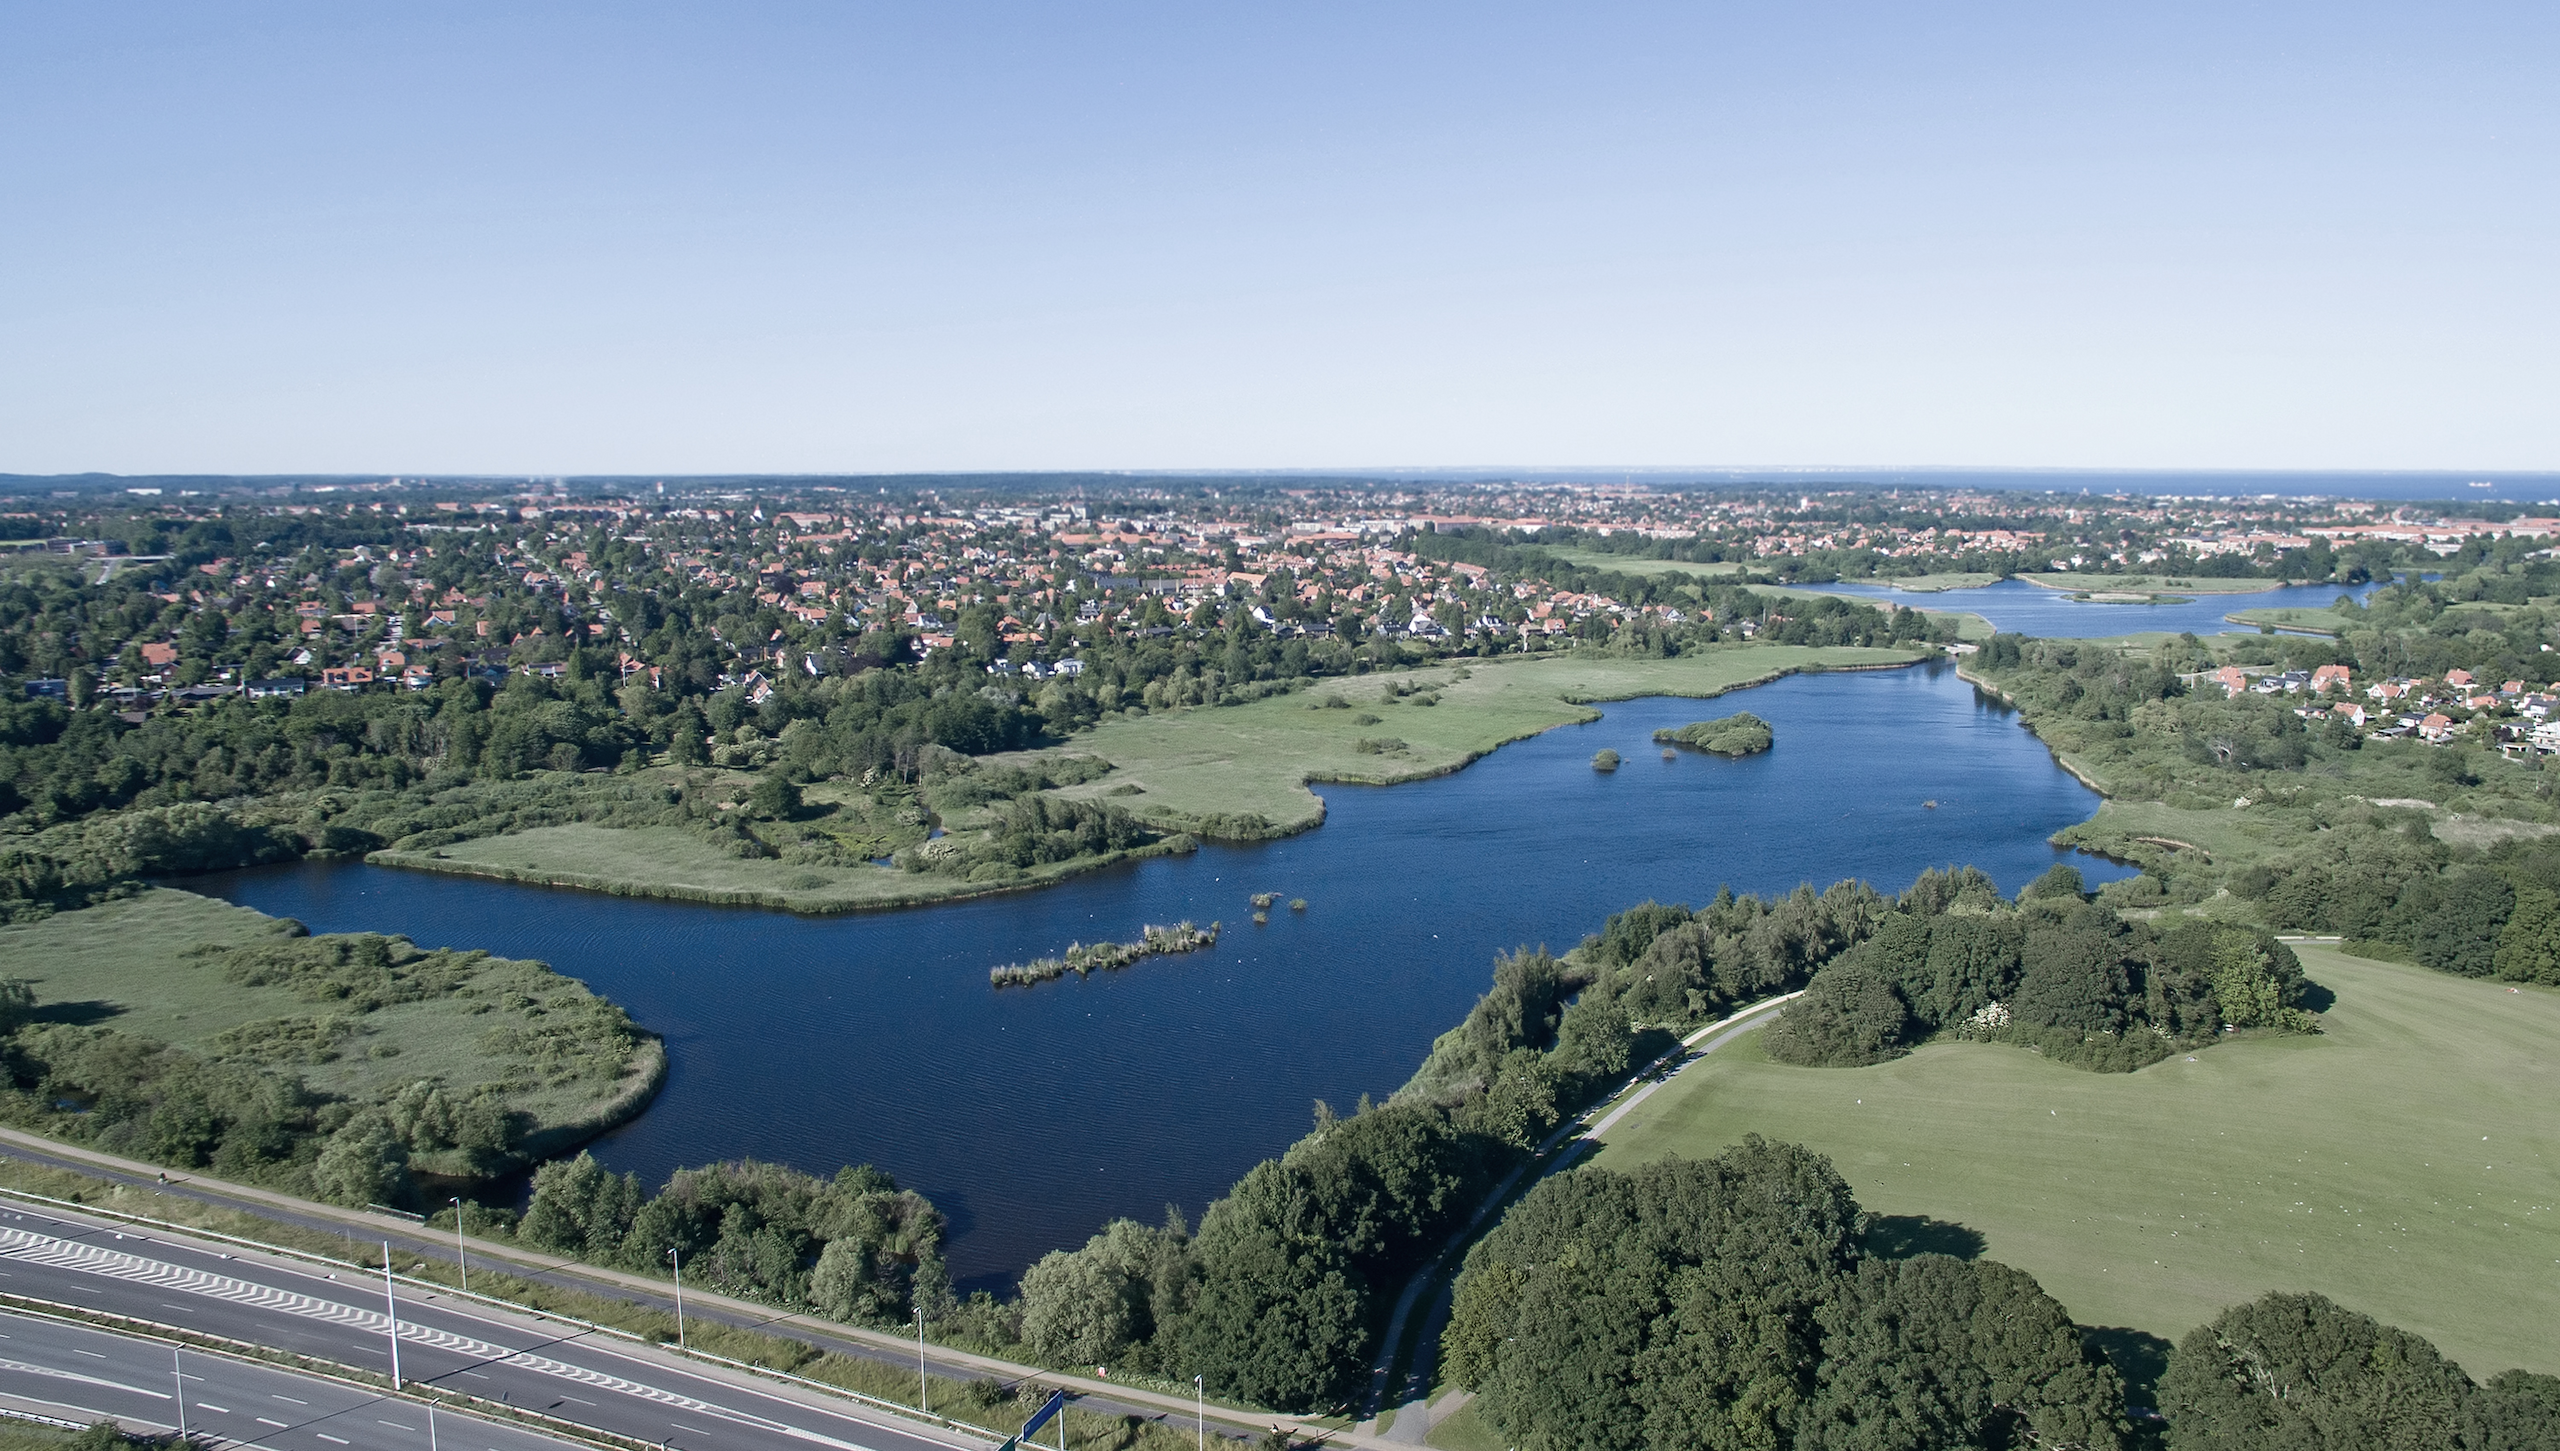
<point>76,1373</point>
<point>460,1347</point>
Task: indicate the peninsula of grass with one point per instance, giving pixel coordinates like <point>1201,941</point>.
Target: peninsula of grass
<point>2150,585</point>
<point>2290,617</point>
<point>1631,564</point>
<point>1968,626</point>
<point>1206,770</point>
<point>671,863</point>
<point>1739,734</point>
<point>360,1020</point>
<point>2405,1162</point>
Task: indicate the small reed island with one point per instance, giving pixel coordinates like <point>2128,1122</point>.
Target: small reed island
<point>1739,734</point>
<point>1082,958</point>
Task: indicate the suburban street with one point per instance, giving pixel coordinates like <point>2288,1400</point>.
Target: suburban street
<point>460,1347</point>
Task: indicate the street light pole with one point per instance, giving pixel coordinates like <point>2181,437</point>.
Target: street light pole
<point>1200,1410</point>
<point>924,1398</point>
<point>393,1302</point>
<point>678,1257</point>
<point>178,1373</point>
<point>461,1256</point>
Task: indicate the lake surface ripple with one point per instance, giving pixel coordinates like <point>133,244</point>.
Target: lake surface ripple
<point>1032,1115</point>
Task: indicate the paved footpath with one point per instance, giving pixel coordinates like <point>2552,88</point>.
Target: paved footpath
<point>1414,1416</point>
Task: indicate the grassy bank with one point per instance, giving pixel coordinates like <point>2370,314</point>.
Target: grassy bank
<point>2405,1162</point>
<point>2149,584</point>
<point>669,862</point>
<point>243,994</point>
<point>1259,760</point>
<point>1968,626</point>
<point>1630,564</point>
<point>2290,617</point>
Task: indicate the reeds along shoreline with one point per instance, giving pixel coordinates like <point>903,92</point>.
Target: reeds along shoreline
<point>1082,958</point>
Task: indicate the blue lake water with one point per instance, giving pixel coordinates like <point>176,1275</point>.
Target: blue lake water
<point>1033,1115</point>
<point>2014,606</point>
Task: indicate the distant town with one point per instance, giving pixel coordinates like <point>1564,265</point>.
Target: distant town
<point>398,584</point>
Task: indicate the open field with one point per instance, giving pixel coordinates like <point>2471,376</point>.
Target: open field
<point>127,965</point>
<point>2405,1163</point>
<point>1259,758</point>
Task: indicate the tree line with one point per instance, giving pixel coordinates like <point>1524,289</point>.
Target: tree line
<point>1737,1302</point>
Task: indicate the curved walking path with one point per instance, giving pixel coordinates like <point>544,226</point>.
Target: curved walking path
<point>1414,1417</point>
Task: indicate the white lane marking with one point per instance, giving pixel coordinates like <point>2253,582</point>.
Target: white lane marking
<point>23,1368</point>
<point>394,1425</point>
<point>325,1436</point>
<point>115,1264</point>
<point>287,1398</point>
<point>210,1406</point>
<point>279,1425</point>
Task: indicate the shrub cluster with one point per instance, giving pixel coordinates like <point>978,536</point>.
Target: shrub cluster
<point>855,1247</point>
<point>2065,977</point>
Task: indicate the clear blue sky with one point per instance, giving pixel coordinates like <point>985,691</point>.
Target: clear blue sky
<point>563,238</point>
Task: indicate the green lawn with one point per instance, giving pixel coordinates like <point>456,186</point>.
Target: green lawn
<point>1259,758</point>
<point>2405,1163</point>
<point>126,965</point>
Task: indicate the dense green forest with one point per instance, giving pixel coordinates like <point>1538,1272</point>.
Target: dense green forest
<point>855,1247</point>
<point>1735,1302</point>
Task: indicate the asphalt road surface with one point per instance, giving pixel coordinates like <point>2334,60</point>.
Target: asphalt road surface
<point>74,1372</point>
<point>458,1346</point>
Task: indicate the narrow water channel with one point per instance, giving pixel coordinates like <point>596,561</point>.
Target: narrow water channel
<point>1033,1115</point>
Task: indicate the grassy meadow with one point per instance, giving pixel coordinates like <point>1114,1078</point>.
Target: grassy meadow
<point>1259,758</point>
<point>2148,584</point>
<point>1628,564</point>
<point>1968,626</point>
<point>2406,1162</point>
<point>129,965</point>
<point>2290,617</point>
<point>670,862</point>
